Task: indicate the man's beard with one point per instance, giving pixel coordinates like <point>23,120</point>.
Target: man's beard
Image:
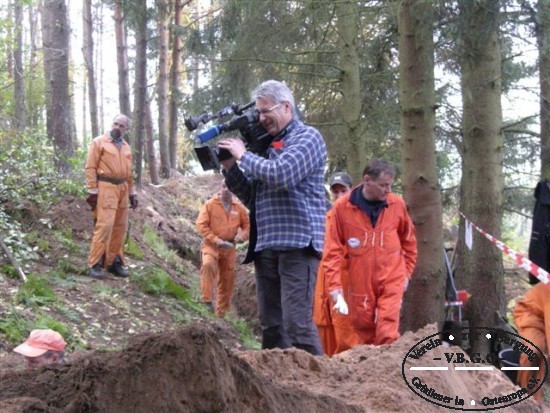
<point>115,134</point>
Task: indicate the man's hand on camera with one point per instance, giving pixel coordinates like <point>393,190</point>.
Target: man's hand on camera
<point>233,145</point>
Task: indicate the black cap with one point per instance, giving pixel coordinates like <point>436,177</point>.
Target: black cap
<point>340,178</point>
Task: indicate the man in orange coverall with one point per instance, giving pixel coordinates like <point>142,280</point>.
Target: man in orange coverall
<point>532,319</point>
<point>335,330</point>
<point>110,191</point>
<point>372,235</point>
<point>218,222</point>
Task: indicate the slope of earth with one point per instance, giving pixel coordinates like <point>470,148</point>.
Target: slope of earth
<point>104,314</point>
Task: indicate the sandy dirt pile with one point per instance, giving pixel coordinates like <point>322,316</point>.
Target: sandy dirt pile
<point>198,368</point>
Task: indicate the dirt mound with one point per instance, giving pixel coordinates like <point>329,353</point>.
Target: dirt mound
<point>197,369</point>
<point>186,370</point>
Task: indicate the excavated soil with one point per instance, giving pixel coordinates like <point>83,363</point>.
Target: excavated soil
<point>197,369</point>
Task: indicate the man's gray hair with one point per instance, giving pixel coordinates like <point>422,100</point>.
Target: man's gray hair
<point>275,90</point>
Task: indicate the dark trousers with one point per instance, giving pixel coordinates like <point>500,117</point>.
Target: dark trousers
<point>285,282</point>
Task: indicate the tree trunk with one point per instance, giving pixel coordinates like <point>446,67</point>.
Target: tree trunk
<point>59,122</point>
<point>10,40</point>
<point>174,86</point>
<point>162,87</point>
<point>99,66</point>
<point>482,178</point>
<point>543,43</point>
<point>19,81</point>
<point>140,86</point>
<point>348,30</point>
<point>84,107</point>
<point>33,109</point>
<point>424,300</point>
<point>150,145</point>
<point>88,52</point>
<point>122,61</point>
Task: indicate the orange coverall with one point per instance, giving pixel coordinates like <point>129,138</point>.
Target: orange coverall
<point>532,319</point>
<point>379,260</point>
<point>215,223</point>
<point>107,160</point>
<point>335,330</point>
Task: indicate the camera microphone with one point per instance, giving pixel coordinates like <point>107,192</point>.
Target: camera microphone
<point>209,134</point>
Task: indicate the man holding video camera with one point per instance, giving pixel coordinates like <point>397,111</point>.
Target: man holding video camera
<point>285,194</point>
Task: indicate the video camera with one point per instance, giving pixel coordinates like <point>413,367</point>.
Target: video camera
<point>255,137</point>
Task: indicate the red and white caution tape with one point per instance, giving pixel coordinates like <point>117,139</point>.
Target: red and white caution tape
<point>519,259</point>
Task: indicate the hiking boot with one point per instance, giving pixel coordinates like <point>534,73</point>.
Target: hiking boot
<point>96,272</point>
<point>118,270</point>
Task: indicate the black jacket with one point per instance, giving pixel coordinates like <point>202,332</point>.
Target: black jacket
<point>539,245</point>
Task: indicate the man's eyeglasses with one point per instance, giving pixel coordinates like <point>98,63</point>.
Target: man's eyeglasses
<point>266,111</point>
<point>120,125</point>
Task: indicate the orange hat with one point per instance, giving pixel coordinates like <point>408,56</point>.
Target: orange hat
<point>40,341</point>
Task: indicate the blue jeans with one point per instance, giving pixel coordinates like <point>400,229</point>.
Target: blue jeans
<point>285,282</point>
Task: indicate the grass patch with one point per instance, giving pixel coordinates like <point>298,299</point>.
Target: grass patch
<point>35,292</point>
<point>14,327</point>
<point>246,335</point>
<point>104,291</point>
<point>158,282</point>
<point>157,244</point>
<point>9,270</point>
<point>61,279</point>
<point>65,266</point>
<point>65,239</point>
<point>131,248</point>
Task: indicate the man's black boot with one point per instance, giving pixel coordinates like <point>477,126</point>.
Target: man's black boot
<point>118,270</point>
<point>96,271</point>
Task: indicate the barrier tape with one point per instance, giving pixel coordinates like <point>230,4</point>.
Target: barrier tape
<point>519,259</point>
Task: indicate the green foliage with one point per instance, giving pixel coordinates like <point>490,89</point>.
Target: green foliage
<point>14,327</point>
<point>9,270</point>
<point>29,181</point>
<point>104,291</point>
<point>246,335</point>
<point>65,239</point>
<point>158,282</point>
<point>66,266</point>
<point>156,243</point>
<point>35,292</point>
<point>132,249</point>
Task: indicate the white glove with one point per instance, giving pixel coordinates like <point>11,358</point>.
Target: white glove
<point>341,305</point>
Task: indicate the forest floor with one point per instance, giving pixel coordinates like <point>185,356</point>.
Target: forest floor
<point>132,349</point>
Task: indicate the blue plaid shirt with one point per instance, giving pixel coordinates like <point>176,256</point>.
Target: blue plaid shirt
<point>290,195</point>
